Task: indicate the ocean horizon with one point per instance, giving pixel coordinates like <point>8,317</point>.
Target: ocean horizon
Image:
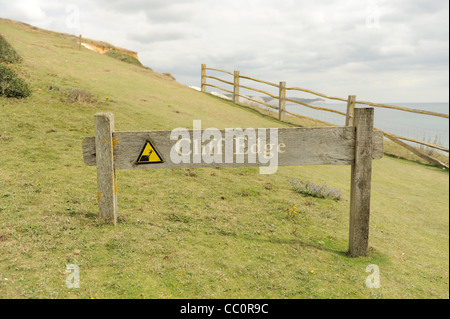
<point>423,127</point>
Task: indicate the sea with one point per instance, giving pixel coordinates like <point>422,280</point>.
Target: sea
<point>422,127</point>
<point>427,128</point>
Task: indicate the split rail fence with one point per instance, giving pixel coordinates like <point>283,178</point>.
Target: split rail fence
<point>349,114</point>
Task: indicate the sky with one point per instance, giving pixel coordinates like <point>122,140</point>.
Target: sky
<point>382,51</point>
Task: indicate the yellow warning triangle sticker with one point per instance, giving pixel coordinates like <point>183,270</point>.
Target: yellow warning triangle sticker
<point>149,155</point>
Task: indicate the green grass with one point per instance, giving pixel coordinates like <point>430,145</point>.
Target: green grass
<point>198,233</point>
<point>12,86</point>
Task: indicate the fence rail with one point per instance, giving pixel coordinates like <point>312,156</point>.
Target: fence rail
<point>349,114</point>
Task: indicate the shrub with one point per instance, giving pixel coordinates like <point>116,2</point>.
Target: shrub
<point>79,96</point>
<point>7,53</point>
<point>11,85</point>
<point>123,57</point>
<point>169,75</point>
<point>74,95</point>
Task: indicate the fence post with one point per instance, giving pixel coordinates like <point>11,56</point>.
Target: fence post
<point>361,175</point>
<point>203,78</point>
<point>106,173</point>
<point>236,87</point>
<point>282,101</point>
<point>350,110</point>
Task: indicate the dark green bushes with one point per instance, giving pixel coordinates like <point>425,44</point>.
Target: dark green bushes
<point>11,85</point>
<point>123,57</point>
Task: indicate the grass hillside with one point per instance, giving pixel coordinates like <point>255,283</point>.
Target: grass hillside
<point>197,233</point>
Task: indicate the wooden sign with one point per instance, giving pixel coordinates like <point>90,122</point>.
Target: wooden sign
<point>263,147</point>
<point>295,146</point>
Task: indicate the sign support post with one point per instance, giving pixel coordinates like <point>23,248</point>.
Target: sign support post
<point>361,175</point>
<point>106,172</point>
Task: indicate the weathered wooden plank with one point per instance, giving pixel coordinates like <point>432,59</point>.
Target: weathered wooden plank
<point>106,174</point>
<point>378,145</point>
<point>296,146</point>
<point>361,175</point>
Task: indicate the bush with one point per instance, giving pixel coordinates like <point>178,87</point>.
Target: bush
<point>11,85</point>
<point>7,53</point>
<point>74,95</point>
<point>169,75</point>
<point>123,57</point>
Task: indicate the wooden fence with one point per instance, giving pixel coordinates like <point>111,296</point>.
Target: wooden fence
<point>349,114</point>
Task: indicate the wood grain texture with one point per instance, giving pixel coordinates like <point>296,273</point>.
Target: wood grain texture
<point>298,146</point>
<point>256,80</point>
<point>256,101</point>
<point>349,116</point>
<point>218,79</point>
<point>217,87</point>
<point>361,175</point>
<point>316,93</point>
<point>203,78</point>
<point>315,107</point>
<point>282,101</point>
<point>106,174</point>
<point>260,91</point>
<point>218,70</point>
<point>236,87</point>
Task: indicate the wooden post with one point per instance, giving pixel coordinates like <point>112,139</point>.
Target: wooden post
<point>79,42</point>
<point>203,78</point>
<point>236,87</point>
<point>106,173</point>
<point>282,101</point>
<point>361,175</point>
<point>350,110</point>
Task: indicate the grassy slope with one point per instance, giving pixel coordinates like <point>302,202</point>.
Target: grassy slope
<point>203,233</point>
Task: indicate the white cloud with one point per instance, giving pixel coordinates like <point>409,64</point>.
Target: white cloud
<point>30,10</point>
<point>336,47</point>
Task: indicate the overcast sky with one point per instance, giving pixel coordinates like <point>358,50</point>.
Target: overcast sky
<point>382,51</point>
